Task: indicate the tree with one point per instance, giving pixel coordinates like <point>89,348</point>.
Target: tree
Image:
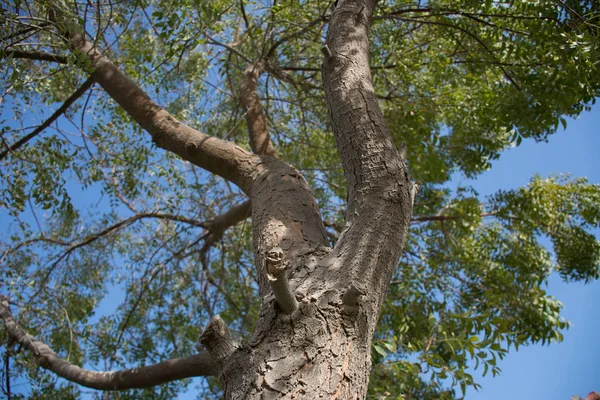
<point>446,85</point>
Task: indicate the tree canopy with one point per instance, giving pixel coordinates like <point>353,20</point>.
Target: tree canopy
<point>96,213</point>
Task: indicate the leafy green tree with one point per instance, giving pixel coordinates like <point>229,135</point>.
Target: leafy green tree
<point>201,162</point>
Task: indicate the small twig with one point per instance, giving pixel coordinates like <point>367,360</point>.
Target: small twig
<point>7,373</point>
<point>228,47</point>
<point>326,51</point>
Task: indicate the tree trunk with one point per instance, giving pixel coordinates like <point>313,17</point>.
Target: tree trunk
<point>322,349</point>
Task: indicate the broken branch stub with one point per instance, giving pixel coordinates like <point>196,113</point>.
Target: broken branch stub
<point>218,340</point>
<point>277,274</point>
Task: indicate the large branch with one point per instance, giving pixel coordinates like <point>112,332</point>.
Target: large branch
<point>379,189</point>
<point>215,155</point>
<point>366,148</point>
<point>201,364</point>
<point>275,194</point>
<point>260,141</point>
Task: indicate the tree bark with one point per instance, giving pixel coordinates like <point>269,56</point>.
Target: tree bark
<point>201,364</point>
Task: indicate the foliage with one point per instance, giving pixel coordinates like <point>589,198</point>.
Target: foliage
<point>97,273</point>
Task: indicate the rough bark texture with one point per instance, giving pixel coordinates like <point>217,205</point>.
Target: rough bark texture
<point>322,350</point>
<point>379,189</point>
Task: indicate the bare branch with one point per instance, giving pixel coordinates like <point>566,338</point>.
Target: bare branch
<point>97,235</point>
<point>260,141</point>
<point>218,340</point>
<point>33,55</point>
<point>426,218</point>
<point>475,16</point>
<point>61,110</point>
<point>228,47</point>
<point>142,377</point>
<point>293,35</point>
<point>243,10</point>
<point>277,274</point>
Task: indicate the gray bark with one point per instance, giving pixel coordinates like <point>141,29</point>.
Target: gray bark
<point>322,349</point>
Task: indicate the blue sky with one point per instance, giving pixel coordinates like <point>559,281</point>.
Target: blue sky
<point>572,367</point>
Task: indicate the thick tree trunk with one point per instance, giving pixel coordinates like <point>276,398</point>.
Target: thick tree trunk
<point>323,348</point>
<point>316,352</point>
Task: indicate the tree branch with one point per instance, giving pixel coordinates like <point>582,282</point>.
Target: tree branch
<point>228,47</point>
<point>218,340</point>
<point>475,16</point>
<point>61,110</point>
<point>222,222</point>
<point>220,225</point>
<point>379,199</point>
<point>293,35</point>
<point>426,218</point>
<point>136,378</point>
<point>33,55</point>
<point>215,155</point>
<point>260,140</point>
<point>277,274</point>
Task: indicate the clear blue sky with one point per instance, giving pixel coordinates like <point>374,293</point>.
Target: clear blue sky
<point>560,370</point>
